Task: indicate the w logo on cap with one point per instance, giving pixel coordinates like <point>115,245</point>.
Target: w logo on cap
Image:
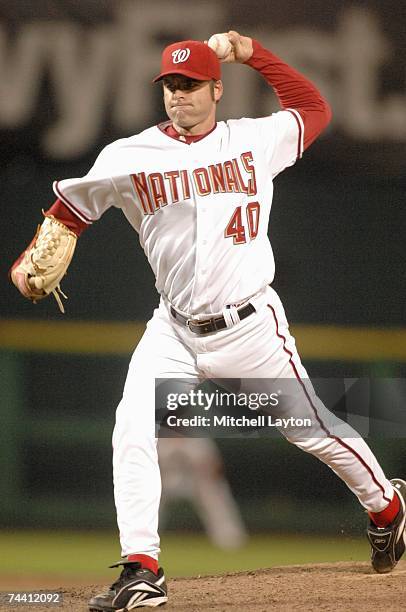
<point>192,58</point>
<point>180,55</point>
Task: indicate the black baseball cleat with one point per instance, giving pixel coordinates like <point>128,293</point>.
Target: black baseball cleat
<point>388,543</point>
<point>136,587</point>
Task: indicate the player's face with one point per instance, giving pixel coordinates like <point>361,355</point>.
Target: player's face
<point>191,104</point>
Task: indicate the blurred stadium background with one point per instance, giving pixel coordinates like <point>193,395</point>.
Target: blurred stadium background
<point>75,76</point>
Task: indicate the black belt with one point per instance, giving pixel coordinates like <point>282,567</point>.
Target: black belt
<point>210,325</point>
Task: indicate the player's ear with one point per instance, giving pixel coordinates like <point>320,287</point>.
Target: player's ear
<point>217,90</point>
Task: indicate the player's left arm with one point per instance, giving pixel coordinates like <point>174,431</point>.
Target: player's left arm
<point>294,91</point>
<point>38,271</point>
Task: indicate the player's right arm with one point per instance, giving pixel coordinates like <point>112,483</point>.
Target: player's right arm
<point>293,90</point>
<point>309,112</point>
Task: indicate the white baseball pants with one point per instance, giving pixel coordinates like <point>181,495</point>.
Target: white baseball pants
<point>259,347</point>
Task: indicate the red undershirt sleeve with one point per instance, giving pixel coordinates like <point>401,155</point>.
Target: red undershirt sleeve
<point>64,214</point>
<point>293,91</point>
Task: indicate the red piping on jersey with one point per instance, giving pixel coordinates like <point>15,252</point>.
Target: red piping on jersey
<point>324,428</point>
<point>299,140</point>
<point>72,206</point>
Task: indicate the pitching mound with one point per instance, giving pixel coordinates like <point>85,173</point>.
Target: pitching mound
<point>346,587</point>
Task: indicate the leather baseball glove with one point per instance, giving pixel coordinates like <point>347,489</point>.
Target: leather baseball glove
<point>40,268</point>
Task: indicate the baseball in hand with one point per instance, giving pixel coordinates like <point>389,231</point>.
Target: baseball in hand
<point>220,45</point>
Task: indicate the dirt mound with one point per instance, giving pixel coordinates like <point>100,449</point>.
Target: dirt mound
<point>349,587</point>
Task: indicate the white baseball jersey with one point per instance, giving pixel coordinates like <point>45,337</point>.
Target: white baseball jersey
<point>201,209</point>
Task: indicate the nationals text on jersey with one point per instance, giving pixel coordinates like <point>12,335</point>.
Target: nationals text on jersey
<point>227,177</point>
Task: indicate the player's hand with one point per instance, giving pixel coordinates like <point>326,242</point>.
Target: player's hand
<point>241,48</point>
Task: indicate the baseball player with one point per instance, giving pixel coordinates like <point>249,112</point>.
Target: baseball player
<point>198,192</point>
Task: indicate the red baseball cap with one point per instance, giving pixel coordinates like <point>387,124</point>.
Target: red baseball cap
<point>192,58</point>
